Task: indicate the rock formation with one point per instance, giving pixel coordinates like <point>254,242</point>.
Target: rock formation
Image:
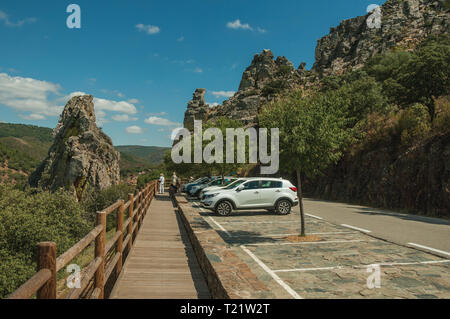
<point>81,156</point>
<point>404,24</point>
<point>261,81</point>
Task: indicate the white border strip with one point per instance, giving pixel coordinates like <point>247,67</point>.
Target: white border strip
<point>272,274</point>
<point>431,249</point>
<point>356,228</point>
<point>317,217</point>
<point>364,266</point>
<point>313,242</point>
<point>293,234</point>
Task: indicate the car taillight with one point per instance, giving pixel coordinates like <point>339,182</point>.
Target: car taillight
<point>294,189</point>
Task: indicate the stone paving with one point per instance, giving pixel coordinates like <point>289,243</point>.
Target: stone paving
<point>335,267</point>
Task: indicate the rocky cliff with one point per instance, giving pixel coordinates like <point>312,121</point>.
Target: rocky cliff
<point>81,155</point>
<point>404,23</point>
<point>260,83</point>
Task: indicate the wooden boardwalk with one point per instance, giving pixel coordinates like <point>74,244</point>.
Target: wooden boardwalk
<point>162,263</point>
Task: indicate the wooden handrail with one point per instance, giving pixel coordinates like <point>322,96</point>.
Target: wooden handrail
<point>43,282</point>
<point>74,251</point>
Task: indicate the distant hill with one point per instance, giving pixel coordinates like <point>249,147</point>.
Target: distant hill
<point>24,147</point>
<point>135,157</point>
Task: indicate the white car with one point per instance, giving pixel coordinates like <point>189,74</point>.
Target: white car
<point>217,187</point>
<point>255,193</point>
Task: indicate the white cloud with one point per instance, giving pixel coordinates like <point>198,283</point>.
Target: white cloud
<point>124,118</point>
<point>27,94</point>
<point>212,104</point>
<point>180,39</point>
<point>198,70</point>
<point>5,18</point>
<point>134,129</point>
<point>261,30</point>
<point>133,101</point>
<point>149,29</point>
<point>160,121</point>
<point>238,25</point>
<point>41,98</point>
<point>218,94</point>
<point>33,117</point>
<point>121,95</point>
<point>110,105</point>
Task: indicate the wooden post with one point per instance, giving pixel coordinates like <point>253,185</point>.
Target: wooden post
<point>99,279</point>
<point>130,224</point>
<point>46,259</point>
<point>138,197</point>
<point>142,206</point>
<point>119,227</point>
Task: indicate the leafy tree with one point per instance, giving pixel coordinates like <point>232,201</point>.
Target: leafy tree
<point>208,169</point>
<point>312,134</point>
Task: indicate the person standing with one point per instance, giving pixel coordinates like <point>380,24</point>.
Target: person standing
<point>161,183</point>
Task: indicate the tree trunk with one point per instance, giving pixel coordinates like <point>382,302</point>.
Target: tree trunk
<point>300,202</point>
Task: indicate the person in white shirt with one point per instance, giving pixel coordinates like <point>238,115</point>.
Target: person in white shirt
<point>161,183</point>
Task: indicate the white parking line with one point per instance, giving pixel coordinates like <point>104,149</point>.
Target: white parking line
<point>313,216</point>
<point>356,228</point>
<point>272,274</point>
<point>364,266</point>
<point>220,226</point>
<point>431,249</point>
<point>280,235</point>
<point>313,242</point>
<point>213,220</point>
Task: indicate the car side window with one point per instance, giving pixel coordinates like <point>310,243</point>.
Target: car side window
<point>271,184</point>
<point>251,185</point>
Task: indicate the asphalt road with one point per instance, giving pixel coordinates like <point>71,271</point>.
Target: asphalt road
<point>425,233</point>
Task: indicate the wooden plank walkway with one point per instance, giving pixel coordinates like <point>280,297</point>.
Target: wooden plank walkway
<point>162,263</point>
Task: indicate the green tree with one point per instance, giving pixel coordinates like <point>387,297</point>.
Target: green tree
<point>312,134</point>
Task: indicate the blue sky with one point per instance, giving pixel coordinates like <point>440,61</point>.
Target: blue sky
<point>142,60</point>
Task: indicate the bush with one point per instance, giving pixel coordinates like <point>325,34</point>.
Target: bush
<point>147,178</point>
<point>442,120</point>
<point>29,217</point>
<point>96,200</point>
<point>414,124</point>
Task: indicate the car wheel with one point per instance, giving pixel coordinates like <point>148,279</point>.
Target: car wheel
<point>224,208</point>
<point>284,207</point>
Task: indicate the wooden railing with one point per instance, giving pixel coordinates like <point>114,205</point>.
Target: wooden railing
<point>99,270</point>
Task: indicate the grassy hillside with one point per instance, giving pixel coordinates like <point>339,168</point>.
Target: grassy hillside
<point>24,147</point>
<point>134,158</point>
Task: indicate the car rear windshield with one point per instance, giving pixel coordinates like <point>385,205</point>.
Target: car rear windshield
<point>235,184</point>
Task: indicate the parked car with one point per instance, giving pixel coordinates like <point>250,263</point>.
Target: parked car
<point>273,194</point>
<point>184,186</point>
<point>195,191</point>
<point>200,181</point>
<point>217,187</point>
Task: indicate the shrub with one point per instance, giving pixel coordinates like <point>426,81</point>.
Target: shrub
<point>96,200</point>
<point>414,123</point>
<point>29,217</point>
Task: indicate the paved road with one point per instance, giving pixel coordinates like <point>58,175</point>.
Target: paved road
<point>432,233</point>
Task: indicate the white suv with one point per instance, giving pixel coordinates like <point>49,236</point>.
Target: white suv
<point>255,193</point>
